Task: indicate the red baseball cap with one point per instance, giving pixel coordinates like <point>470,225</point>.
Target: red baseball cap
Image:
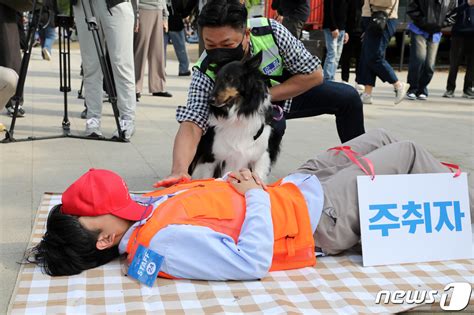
<point>100,192</point>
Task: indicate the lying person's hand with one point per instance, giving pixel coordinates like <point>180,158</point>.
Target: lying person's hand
<point>173,179</point>
<point>243,181</point>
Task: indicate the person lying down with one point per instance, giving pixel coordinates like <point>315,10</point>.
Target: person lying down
<point>234,228</point>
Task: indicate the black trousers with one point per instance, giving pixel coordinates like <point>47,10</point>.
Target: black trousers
<point>333,98</point>
<point>351,49</point>
<point>461,47</point>
<point>10,56</point>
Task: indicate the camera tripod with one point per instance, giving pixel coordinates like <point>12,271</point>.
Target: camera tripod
<point>65,24</point>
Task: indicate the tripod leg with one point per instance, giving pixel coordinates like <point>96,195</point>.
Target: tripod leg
<point>64,67</point>
<point>35,25</point>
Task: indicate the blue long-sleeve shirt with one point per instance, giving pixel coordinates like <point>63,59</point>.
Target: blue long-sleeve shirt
<point>196,252</point>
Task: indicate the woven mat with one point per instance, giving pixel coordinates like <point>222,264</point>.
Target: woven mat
<point>336,285</point>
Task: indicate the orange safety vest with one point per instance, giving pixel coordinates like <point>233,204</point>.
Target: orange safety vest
<point>217,205</point>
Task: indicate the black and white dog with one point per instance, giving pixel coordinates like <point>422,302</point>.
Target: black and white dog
<point>240,133</point>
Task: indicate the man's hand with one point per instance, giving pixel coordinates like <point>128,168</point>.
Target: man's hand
<point>335,33</point>
<point>279,18</point>
<point>173,179</point>
<point>470,2</point>
<point>165,26</point>
<point>244,180</point>
<point>346,38</point>
<point>137,26</point>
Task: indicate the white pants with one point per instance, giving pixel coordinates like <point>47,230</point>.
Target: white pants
<point>117,29</point>
<point>8,81</point>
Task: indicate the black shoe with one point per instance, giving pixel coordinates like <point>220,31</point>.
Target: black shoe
<point>469,94</point>
<point>185,74</point>
<point>11,109</point>
<point>448,94</point>
<point>138,95</point>
<point>162,94</point>
<point>84,112</point>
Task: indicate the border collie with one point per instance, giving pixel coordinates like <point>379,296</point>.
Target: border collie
<point>240,133</point>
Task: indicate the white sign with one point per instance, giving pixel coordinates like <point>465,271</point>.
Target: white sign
<point>414,218</point>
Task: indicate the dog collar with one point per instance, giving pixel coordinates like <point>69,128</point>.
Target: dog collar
<point>259,132</point>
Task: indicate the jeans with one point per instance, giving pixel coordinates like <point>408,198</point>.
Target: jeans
<point>334,51</point>
<point>372,60</point>
<point>48,36</point>
<point>179,45</point>
<point>421,65</point>
<point>333,98</point>
<point>461,46</point>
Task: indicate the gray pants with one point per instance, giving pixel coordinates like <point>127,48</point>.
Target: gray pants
<point>149,47</point>
<point>8,81</point>
<point>339,226</point>
<point>117,28</point>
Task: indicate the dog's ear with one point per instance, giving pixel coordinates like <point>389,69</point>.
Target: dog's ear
<point>254,62</point>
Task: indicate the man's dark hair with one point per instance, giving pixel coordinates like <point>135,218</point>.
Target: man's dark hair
<point>217,13</point>
<point>67,248</point>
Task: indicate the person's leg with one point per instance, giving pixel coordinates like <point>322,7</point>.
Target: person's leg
<point>416,61</point>
<point>345,60</point>
<point>339,226</point>
<point>90,64</point>
<point>368,54</point>
<point>455,58</point>
<point>156,60</point>
<point>179,45</point>
<point>380,65</point>
<point>141,47</point>
<point>331,161</point>
<point>117,23</point>
<point>293,25</point>
<point>329,61</point>
<point>339,47</point>
<point>8,82</point>
<point>10,55</point>
<point>469,52</point>
<point>338,99</point>
<point>428,67</point>
<point>50,37</point>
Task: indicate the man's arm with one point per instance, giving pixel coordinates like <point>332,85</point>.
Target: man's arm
<point>296,85</point>
<point>185,145</point>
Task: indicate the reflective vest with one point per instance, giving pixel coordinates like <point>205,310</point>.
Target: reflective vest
<point>262,39</point>
<point>218,206</point>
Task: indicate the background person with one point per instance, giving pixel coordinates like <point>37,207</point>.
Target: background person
<point>428,17</point>
<point>462,47</point>
<point>117,20</point>
<point>372,62</point>
<point>149,46</point>
<point>177,12</point>
<point>293,14</point>
<point>354,44</point>
<point>334,25</point>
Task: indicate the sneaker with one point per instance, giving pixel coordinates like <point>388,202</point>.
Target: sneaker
<point>137,96</point>
<point>126,125</point>
<point>411,96</point>
<point>11,109</point>
<point>469,94</point>
<point>46,54</point>
<point>401,92</point>
<point>93,128</point>
<point>366,98</point>
<point>448,94</point>
<point>422,97</point>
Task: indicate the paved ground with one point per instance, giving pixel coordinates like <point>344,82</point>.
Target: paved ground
<point>28,169</point>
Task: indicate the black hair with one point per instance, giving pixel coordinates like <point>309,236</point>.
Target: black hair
<point>217,13</point>
<point>67,248</point>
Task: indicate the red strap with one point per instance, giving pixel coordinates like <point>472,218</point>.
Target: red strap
<point>453,167</point>
<point>352,155</point>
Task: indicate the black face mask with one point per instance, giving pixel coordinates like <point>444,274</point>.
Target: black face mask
<point>222,56</point>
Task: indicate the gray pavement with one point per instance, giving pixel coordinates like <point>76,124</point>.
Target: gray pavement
<point>28,169</point>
